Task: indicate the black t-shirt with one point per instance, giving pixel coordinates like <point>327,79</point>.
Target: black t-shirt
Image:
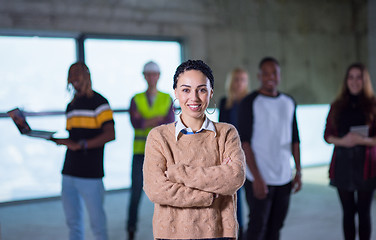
<point>85,119</point>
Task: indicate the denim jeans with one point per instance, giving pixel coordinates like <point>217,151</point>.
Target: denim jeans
<point>136,191</point>
<point>77,191</point>
<point>266,216</point>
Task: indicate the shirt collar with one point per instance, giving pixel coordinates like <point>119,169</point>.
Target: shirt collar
<point>206,125</point>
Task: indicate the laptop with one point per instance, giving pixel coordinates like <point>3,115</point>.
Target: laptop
<point>19,119</point>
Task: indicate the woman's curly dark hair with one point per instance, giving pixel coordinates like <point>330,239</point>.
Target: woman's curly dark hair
<point>198,65</point>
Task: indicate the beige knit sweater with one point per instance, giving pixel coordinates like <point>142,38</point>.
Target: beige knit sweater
<point>185,204</point>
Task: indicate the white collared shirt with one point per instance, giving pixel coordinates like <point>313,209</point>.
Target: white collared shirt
<point>181,128</point>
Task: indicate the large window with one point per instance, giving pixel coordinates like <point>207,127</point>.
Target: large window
<point>116,69</point>
<point>311,122</point>
<point>34,78</point>
<point>116,66</point>
<point>33,74</point>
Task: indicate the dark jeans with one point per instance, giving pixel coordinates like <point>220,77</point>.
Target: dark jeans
<point>266,216</point>
<point>136,191</point>
<point>356,203</point>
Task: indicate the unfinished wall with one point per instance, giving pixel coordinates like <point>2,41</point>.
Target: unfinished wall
<point>314,40</point>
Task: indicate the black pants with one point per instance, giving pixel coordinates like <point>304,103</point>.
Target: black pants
<point>356,203</point>
<point>266,216</point>
<point>136,191</point>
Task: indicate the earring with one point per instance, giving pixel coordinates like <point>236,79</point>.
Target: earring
<point>215,107</point>
<point>173,107</point>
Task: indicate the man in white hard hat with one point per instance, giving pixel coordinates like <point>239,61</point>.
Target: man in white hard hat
<point>148,109</point>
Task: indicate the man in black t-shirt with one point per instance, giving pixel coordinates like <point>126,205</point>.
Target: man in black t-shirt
<point>90,125</point>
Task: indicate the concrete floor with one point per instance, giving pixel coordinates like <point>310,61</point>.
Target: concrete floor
<point>314,214</point>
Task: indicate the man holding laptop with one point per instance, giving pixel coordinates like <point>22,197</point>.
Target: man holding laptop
<point>90,124</point>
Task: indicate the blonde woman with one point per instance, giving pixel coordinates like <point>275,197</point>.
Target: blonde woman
<point>237,87</point>
<point>194,167</point>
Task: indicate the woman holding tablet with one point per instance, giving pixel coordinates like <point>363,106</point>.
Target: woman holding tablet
<point>353,167</point>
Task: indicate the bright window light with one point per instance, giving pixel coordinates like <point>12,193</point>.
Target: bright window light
<point>116,66</point>
<point>34,72</point>
<point>116,70</point>
<point>33,77</point>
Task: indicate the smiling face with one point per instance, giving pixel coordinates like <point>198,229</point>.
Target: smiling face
<point>270,77</point>
<point>355,81</point>
<point>79,77</point>
<point>193,91</point>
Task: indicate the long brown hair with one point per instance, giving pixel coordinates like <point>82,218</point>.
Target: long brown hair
<point>80,68</point>
<point>366,96</point>
<point>231,96</point>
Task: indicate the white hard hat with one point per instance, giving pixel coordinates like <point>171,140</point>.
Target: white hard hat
<point>151,67</point>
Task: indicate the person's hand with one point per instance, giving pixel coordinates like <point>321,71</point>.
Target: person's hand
<point>297,182</point>
<point>60,141</point>
<point>260,189</point>
<point>72,145</point>
<point>358,139</point>
<point>351,139</point>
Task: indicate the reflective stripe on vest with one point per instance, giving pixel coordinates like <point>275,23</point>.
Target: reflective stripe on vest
<point>160,107</point>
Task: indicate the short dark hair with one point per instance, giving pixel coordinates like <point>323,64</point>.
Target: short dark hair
<point>268,59</point>
<point>198,65</point>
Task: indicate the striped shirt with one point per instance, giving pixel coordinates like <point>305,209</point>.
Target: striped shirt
<point>85,119</point>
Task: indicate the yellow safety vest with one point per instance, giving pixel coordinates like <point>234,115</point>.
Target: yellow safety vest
<point>160,107</point>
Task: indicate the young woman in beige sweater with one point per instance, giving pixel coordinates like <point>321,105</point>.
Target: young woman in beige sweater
<point>194,167</point>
